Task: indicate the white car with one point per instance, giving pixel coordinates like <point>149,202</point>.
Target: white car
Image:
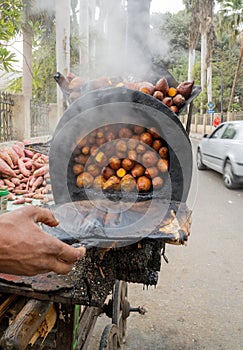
<point>222,151</point>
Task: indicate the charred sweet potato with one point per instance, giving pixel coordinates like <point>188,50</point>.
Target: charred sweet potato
<point>185,88</point>
<point>178,100</point>
<point>107,172</point>
<point>162,85</point>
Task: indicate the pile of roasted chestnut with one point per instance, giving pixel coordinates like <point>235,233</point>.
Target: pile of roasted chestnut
<point>121,158</point>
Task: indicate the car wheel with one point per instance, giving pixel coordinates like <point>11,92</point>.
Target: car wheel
<point>200,164</point>
<point>228,175</point>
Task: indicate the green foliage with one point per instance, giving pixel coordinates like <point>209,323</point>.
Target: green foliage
<point>10,21</point>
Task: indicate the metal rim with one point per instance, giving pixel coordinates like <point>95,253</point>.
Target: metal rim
<point>199,159</point>
<point>109,339</point>
<point>228,175</point>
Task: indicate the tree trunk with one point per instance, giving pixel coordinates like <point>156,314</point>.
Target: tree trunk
<point>203,64</point>
<point>27,61</point>
<point>84,33</point>
<point>62,45</point>
<point>209,83</point>
<point>235,80</point>
<point>191,62</point>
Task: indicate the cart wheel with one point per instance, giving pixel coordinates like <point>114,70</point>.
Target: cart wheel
<point>120,310</point>
<point>110,338</point>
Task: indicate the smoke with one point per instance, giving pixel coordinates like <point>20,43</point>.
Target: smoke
<point>38,7</point>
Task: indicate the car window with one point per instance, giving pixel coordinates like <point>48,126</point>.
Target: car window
<point>230,131</point>
<point>218,132</point>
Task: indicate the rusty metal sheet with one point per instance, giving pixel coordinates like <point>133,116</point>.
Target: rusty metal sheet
<point>49,282</point>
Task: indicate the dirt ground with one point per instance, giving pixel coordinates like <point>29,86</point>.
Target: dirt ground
<point>198,301</point>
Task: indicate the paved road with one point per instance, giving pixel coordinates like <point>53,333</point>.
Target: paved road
<point>198,301</point>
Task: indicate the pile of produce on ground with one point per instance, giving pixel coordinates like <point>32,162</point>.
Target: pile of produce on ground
<point>173,97</point>
<point>24,173</point>
<point>114,157</point>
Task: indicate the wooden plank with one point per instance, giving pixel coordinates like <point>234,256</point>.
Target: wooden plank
<point>6,304</point>
<point>28,320</point>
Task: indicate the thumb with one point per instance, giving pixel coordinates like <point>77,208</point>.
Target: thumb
<point>45,216</point>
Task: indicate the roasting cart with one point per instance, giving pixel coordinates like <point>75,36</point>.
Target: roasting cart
<point>59,312</point>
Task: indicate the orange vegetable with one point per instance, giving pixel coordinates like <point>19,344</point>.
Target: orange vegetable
<point>121,172</point>
<point>172,92</point>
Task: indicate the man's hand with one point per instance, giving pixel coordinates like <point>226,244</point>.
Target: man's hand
<point>25,249</point>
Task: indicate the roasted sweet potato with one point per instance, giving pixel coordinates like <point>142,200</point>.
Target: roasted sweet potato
<point>168,101</point>
<point>163,152</point>
<point>121,172</point>
<point>151,172</point>
<point>159,95</point>
<point>157,182</point>
<point>162,85</point>
<point>143,184</point>
<point>178,100</point>
<point>128,183</point>
<point>127,164</point>
<point>93,169</point>
<point>125,133</point>
<point>157,144</point>
<point>121,146</point>
<point>137,170</point>
<point>132,154</point>
<point>84,180</point>
<point>147,138</point>
<point>107,172</point>
<point>115,163</point>
<point>149,159</point>
<point>113,183</point>
<point>185,88</point>
<point>98,182</point>
<point>138,129</point>
<point>163,165</point>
